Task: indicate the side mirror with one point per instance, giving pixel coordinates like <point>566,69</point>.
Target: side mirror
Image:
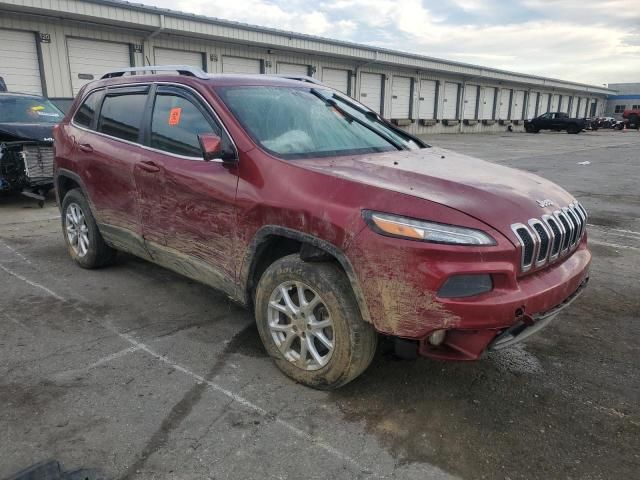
<point>211,145</point>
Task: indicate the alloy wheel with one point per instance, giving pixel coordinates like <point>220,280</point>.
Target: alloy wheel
<point>77,230</point>
<point>301,325</point>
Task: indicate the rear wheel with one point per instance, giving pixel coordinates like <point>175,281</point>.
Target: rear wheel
<point>310,323</point>
<point>573,129</point>
<point>84,241</point>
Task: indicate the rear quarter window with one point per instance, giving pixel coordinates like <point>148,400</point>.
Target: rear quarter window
<point>121,115</point>
<point>86,113</point>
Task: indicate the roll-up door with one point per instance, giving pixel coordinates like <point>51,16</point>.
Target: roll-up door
<point>427,99</point>
<point>90,59</point>
<point>241,65</point>
<point>470,101</point>
<point>555,103</point>
<point>575,106</point>
<point>401,97</point>
<point>534,98</point>
<point>505,103</point>
<point>19,66</point>
<point>586,107</point>
<point>543,104</point>
<point>450,101</point>
<point>166,56</point>
<point>579,107</point>
<point>564,104</point>
<point>488,103</point>
<point>371,90</point>
<point>336,78</point>
<point>292,69</point>
<point>518,105</point>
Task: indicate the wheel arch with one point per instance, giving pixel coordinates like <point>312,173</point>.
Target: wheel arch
<point>311,249</point>
<point>65,180</point>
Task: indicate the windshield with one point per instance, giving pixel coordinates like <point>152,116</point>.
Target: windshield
<point>16,109</point>
<point>298,122</point>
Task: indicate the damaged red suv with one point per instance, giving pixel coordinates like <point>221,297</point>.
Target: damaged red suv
<point>329,223</point>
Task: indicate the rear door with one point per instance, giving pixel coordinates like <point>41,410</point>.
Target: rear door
<point>107,150</point>
<point>194,210</point>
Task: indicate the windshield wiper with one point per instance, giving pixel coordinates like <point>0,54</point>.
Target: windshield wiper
<point>332,103</point>
<point>373,116</point>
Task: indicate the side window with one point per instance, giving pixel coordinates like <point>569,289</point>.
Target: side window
<point>84,115</point>
<point>121,115</point>
<point>176,124</point>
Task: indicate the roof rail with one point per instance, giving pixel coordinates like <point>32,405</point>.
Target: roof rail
<point>300,78</point>
<point>181,69</point>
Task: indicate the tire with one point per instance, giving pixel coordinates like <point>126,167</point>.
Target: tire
<point>77,217</point>
<point>573,129</point>
<point>529,128</point>
<point>353,340</point>
<point>634,120</point>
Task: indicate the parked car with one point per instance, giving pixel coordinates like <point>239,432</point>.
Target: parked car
<point>326,221</point>
<point>26,144</point>
<point>556,121</point>
<point>3,85</point>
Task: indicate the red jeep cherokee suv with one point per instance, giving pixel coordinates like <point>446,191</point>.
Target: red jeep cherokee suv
<point>305,206</point>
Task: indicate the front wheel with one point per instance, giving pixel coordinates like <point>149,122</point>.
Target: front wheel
<point>84,241</point>
<point>310,323</point>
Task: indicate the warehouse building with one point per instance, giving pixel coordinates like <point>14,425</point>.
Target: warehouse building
<point>54,47</point>
<point>626,97</point>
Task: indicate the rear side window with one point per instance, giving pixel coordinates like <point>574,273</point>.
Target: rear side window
<point>176,124</point>
<point>85,114</point>
<point>121,115</point>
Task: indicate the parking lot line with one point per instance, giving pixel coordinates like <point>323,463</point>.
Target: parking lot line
<point>137,345</point>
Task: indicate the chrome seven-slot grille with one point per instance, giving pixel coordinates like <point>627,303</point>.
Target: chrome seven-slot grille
<point>551,237</point>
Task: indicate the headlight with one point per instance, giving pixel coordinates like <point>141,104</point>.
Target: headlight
<point>403,227</point>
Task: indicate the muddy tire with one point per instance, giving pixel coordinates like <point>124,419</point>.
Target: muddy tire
<point>531,128</point>
<point>84,241</point>
<point>320,340</point>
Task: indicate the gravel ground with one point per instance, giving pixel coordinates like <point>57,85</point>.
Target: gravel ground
<point>141,373</point>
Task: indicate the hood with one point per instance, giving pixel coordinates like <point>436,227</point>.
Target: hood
<point>13,132</point>
<point>496,195</point>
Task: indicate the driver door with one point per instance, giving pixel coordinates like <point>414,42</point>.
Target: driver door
<point>190,210</point>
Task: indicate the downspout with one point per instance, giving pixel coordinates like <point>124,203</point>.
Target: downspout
<point>155,33</point>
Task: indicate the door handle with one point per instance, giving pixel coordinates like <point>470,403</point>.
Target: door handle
<point>85,147</point>
<point>149,166</point>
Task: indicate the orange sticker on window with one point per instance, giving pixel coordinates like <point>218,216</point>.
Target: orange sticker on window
<point>174,116</point>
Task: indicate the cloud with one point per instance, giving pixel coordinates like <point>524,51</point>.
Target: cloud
<point>589,41</point>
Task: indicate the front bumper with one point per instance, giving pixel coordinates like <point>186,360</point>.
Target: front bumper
<point>400,286</point>
<point>528,326</point>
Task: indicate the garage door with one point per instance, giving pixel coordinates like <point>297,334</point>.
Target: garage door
<point>471,101</point>
<point>292,69</point>
<point>505,102</point>
<point>19,61</point>
<point>450,101</point>
<point>371,90</point>
<point>575,106</point>
<point>543,105</point>
<point>336,78</point>
<point>90,59</point>
<point>518,105</point>
<point>564,104</point>
<point>531,104</point>
<point>166,56</point>
<point>241,65</point>
<point>401,97</point>
<point>427,99</point>
<point>488,103</point>
<point>555,103</point>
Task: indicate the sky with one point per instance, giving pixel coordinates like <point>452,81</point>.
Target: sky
<point>588,41</point>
